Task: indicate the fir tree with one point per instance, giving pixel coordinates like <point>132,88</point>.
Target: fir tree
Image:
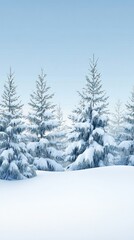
<point>42,123</point>
<point>93,92</point>
<point>89,143</point>
<point>58,136</point>
<point>59,115</point>
<point>61,129</point>
<point>14,158</point>
<point>117,121</point>
<point>127,146</point>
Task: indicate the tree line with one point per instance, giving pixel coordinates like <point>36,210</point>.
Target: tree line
<point>42,141</point>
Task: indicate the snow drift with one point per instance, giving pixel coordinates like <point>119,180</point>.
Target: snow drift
<point>96,204</point>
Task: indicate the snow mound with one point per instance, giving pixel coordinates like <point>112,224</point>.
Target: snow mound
<point>96,204</point>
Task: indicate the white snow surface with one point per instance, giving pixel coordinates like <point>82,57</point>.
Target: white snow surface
<point>125,144</point>
<point>98,131</point>
<point>82,125</point>
<point>87,156</point>
<point>93,204</point>
<point>108,140</point>
<point>32,146</point>
<point>7,152</point>
<point>73,145</point>
<point>42,163</point>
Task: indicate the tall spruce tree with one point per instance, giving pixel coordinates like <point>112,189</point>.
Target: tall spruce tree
<point>89,143</point>
<point>127,145</point>
<point>42,123</point>
<point>14,158</point>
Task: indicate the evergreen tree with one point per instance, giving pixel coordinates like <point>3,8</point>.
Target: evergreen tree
<point>89,143</point>
<point>127,145</point>
<point>93,92</point>
<point>14,158</point>
<point>75,140</point>
<point>42,123</point>
<point>58,136</point>
<point>117,121</point>
<point>59,115</point>
<point>61,130</point>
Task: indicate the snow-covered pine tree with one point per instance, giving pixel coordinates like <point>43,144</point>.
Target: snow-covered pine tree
<point>89,143</point>
<point>116,121</point>
<point>58,135</point>
<point>127,145</point>
<point>60,131</point>
<point>14,158</point>
<point>93,92</point>
<point>42,123</point>
<point>59,115</point>
<point>75,143</point>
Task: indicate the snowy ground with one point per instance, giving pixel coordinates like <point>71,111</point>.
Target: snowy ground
<point>94,204</point>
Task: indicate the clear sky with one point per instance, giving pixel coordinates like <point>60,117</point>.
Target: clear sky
<point>60,36</point>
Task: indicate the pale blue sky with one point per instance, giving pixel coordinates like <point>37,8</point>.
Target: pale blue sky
<point>60,36</point>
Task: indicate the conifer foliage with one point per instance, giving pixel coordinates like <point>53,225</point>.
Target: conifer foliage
<point>42,124</point>
<point>127,145</point>
<point>92,92</point>
<point>14,158</point>
<point>60,134</point>
<point>44,142</point>
<point>90,145</point>
<point>117,122</point>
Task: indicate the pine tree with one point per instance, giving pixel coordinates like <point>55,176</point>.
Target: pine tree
<point>89,143</point>
<point>61,130</point>
<point>42,123</point>
<point>117,121</point>
<point>93,92</point>
<point>58,136</point>
<point>127,146</point>
<point>59,115</point>
<point>75,140</point>
<point>14,158</point>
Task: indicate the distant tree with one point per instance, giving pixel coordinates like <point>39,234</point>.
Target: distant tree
<point>14,158</point>
<point>58,135</point>
<point>59,115</point>
<point>117,121</point>
<point>89,143</point>
<point>61,130</point>
<point>127,145</point>
<point>42,123</point>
